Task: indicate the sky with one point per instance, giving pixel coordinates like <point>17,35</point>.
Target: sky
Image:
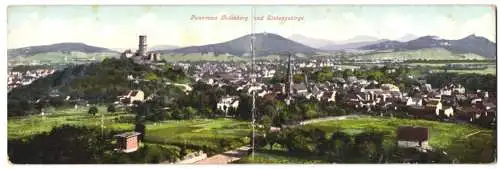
<point>119,26</point>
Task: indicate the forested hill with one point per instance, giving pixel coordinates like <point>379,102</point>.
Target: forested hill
<point>98,82</point>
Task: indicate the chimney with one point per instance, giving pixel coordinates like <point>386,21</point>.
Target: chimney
<point>142,45</point>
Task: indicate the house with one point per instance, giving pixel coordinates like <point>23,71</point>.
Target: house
<point>132,96</point>
<point>448,111</point>
<point>413,137</point>
<point>414,101</point>
<point>262,93</point>
<point>127,54</point>
<point>300,89</point>
<point>228,102</point>
<point>127,142</point>
<point>389,87</point>
<point>472,114</point>
<point>54,93</point>
<point>329,96</point>
<point>434,104</point>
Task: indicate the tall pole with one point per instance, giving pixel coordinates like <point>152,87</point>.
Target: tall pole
<point>253,81</point>
<point>102,124</point>
<point>289,80</point>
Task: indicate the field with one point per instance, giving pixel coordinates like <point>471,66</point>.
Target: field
<point>347,67</point>
<point>441,136</point>
<point>200,132</point>
<point>449,137</point>
<point>423,54</point>
<point>490,70</point>
<point>25,126</point>
<point>196,132</point>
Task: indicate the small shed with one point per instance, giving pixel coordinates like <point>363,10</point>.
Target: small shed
<point>127,142</point>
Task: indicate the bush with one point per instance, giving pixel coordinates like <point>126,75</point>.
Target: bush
<point>111,108</point>
<point>93,110</point>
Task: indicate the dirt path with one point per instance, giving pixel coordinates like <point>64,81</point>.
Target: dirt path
<point>226,157</point>
<point>473,133</point>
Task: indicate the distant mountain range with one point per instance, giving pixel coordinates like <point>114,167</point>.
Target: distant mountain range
<point>265,44</point>
<point>270,44</point>
<point>58,47</point>
<point>163,47</point>
<point>470,44</point>
<point>312,42</point>
<point>353,43</point>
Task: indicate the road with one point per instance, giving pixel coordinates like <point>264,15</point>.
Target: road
<point>322,119</point>
<point>187,88</point>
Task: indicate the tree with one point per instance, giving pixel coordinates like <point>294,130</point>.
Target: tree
<point>183,151</point>
<point>140,128</point>
<point>271,139</point>
<point>93,110</point>
<point>151,76</point>
<point>298,78</point>
<point>40,106</point>
<point>267,122</point>
<point>111,108</point>
<point>190,112</point>
<point>223,144</point>
<point>339,146</point>
<point>244,108</point>
<point>65,144</point>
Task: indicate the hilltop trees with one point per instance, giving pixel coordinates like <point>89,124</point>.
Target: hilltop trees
<point>96,82</point>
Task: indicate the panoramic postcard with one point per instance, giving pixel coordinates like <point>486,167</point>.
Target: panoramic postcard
<point>344,84</point>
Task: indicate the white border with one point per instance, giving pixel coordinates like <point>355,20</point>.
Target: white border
<point>3,73</point>
<point>242,2</point>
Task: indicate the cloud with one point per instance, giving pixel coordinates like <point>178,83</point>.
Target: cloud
<point>450,28</point>
<point>482,26</point>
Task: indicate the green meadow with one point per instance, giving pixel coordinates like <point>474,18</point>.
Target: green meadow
<point>464,142</point>
<point>197,132</point>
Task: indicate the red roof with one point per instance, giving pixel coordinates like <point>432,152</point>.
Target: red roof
<point>128,134</point>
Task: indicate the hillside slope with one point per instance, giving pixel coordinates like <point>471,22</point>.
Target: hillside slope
<point>470,44</point>
<point>265,44</point>
<point>58,47</point>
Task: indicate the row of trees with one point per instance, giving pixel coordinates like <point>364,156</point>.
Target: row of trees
<point>83,145</point>
<point>471,82</point>
<point>341,147</point>
<point>274,111</point>
<point>172,103</point>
